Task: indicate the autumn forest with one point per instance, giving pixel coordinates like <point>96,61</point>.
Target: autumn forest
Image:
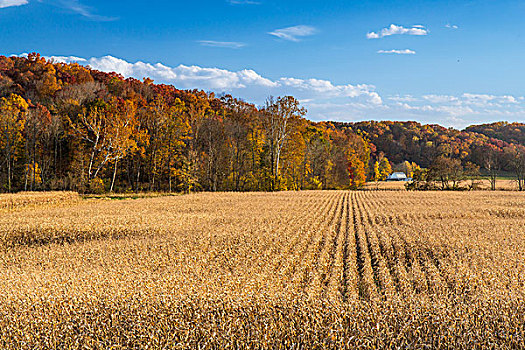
<point>68,127</point>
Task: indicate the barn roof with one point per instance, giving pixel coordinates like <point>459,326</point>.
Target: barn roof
<point>397,176</point>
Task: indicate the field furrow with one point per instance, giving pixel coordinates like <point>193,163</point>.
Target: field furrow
<point>367,281</point>
<point>382,261</point>
<point>300,271</point>
<point>326,231</point>
<point>332,262</point>
<point>299,226</point>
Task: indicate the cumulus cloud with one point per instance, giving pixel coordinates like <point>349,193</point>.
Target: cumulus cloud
<point>10,3</point>
<point>398,52</point>
<point>398,30</point>
<point>224,80</point>
<point>295,33</point>
<point>183,76</point>
<point>405,98</point>
<point>440,98</point>
<point>327,89</point>
<point>222,44</point>
<point>451,26</point>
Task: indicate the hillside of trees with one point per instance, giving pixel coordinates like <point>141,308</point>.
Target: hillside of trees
<point>509,132</point>
<point>68,127</point>
<point>447,151</point>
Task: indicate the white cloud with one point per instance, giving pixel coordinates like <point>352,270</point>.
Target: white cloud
<point>398,52</point>
<point>326,89</point>
<point>64,59</point>
<point>187,77</point>
<point>449,110</point>
<point>398,30</point>
<point>243,2</point>
<point>451,26</point>
<point>486,98</point>
<point>440,98</point>
<point>77,7</point>
<point>9,3</point>
<point>474,100</point>
<point>405,98</point>
<point>222,44</point>
<point>295,33</point>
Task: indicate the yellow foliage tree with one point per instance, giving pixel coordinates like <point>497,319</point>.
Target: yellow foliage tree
<point>385,168</point>
<point>12,111</point>
<point>356,170</point>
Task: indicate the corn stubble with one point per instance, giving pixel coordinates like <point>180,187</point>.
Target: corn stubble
<point>306,270</point>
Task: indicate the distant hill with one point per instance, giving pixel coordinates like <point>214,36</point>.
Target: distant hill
<point>420,143</point>
<point>509,132</point>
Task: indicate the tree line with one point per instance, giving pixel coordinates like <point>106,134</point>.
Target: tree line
<point>67,127</point>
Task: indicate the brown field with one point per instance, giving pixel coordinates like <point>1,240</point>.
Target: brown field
<point>299,270</point>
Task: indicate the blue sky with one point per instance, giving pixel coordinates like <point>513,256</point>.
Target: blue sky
<point>450,62</point>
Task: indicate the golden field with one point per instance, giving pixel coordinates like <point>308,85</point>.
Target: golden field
<point>36,199</point>
<point>298,270</point>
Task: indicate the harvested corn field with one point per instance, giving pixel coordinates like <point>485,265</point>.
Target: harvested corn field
<point>35,199</point>
<point>332,269</point>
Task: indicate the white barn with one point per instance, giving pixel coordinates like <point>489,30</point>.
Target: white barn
<point>397,177</point>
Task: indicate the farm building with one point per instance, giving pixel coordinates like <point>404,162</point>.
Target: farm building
<point>398,177</point>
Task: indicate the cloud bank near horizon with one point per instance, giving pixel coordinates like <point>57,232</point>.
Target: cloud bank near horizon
<point>246,83</point>
<point>323,99</point>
